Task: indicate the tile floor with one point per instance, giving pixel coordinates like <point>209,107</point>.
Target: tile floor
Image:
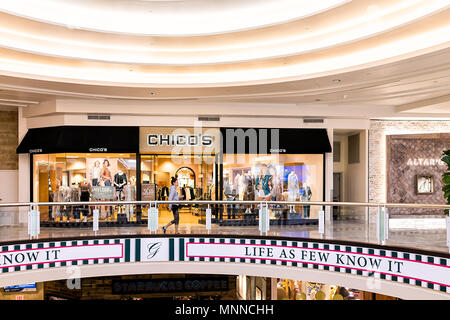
<point>426,239</point>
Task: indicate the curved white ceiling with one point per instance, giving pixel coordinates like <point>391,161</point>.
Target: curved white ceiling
<point>336,38</point>
<point>282,51</point>
<point>167,17</point>
<point>373,21</point>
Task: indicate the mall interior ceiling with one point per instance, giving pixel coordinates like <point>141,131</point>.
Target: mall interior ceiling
<point>384,59</point>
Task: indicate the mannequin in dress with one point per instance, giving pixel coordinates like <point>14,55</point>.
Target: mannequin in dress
<point>130,195</point>
<point>263,181</point>
<point>85,188</point>
<point>307,194</point>
<point>293,188</point>
<point>96,171</point>
<point>230,195</point>
<point>120,180</point>
<point>236,182</point>
<point>241,187</point>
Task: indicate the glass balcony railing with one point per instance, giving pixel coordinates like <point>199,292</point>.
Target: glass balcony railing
<point>375,223</point>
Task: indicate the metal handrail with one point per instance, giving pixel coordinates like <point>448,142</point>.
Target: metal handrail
<point>227,202</point>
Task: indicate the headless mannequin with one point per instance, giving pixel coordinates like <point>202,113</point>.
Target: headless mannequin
<point>120,180</point>
<point>306,197</point>
<point>129,196</point>
<point>293,188</point>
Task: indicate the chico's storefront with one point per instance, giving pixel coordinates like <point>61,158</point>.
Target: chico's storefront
<point>86,163</point>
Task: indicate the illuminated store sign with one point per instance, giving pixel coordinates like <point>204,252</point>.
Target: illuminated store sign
<point>179,140</point>
<point>425,162</point>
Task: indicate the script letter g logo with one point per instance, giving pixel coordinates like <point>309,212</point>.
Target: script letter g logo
<point>153,249</point>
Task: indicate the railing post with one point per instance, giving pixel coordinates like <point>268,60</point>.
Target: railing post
<point>447,223</point>
<point>322,222</point>
<point>29,222</point>
<point>152,222</point>
<point>208,219</point>
<point>379,226</point>
<point>34,223</point>
<point>264,219</point>
<point>382,225</point>
<point>95,224</point>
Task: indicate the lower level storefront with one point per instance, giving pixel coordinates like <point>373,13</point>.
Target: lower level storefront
<point>184,287</point>
<point>306,290</point>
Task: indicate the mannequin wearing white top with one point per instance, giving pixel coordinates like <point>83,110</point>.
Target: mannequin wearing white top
<point>129,196</point>
<point>95,174</point>
<point>293,188</point>
<point>241,187</point>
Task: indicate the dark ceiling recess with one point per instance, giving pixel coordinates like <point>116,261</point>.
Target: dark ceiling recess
<point>99,117</point>
<point>202,118</point>
<point>313,120</point>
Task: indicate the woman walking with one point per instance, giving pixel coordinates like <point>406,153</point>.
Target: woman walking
<point>173,196</point>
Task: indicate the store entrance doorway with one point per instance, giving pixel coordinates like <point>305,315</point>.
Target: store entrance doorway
<point>195,175</point>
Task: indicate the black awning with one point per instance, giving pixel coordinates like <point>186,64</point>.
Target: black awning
<point>267,141</point>
<point>83,139</point>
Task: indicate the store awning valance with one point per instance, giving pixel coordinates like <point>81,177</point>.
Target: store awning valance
<point>272,141</point>
<point>83,139</point>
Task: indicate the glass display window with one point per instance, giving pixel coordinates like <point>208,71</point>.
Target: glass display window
<point>280,177</point>
<point>74,177</point>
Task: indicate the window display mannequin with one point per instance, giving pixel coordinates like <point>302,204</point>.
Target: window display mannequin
<point>237,177</point>
<point>183,192</point>
<point>120,180</point>
<point>96,171</point>
<point>249,192</point>
<point>65,197</point>
<point>260,194</point>
<point>130,195</point>
<point>106,174</point>
<point>276,189</point>
<point>306,196</point>
<point>164,192</point>
<point>230,195</point>
<point>85,189</point>
<point>75,193</point>
<point>58,196</point>
<point>263,180</point>
<point>241,187</point>
<point>293,188</point>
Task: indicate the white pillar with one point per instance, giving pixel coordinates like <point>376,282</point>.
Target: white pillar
<point>273,289</point>
<point>24,170</point>
<point>329,179</point>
